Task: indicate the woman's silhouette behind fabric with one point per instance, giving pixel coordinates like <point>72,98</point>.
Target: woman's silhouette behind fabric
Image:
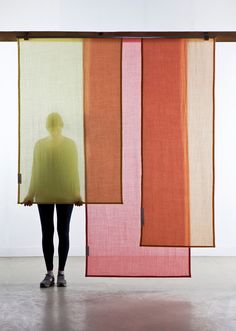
<point>54,180</point>
<point>55,176</point>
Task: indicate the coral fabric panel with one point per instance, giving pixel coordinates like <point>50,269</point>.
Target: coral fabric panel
<point>178,143</point>
<point>165,195</point>
<point>102,120</point>
<point>112,230</point>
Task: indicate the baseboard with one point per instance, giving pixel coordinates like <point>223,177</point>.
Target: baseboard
<point>36,251</point>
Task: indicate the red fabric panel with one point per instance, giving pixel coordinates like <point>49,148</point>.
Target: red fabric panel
<point>165,182</point>
<point>113,231</point>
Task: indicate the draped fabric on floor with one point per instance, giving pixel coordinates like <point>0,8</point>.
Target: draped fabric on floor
<point>126,125</point>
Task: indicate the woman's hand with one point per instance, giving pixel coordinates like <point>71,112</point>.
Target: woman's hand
<point>28,201</point>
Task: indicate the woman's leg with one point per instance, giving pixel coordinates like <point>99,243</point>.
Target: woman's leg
<point>64,212</point>
<point>46,218</point>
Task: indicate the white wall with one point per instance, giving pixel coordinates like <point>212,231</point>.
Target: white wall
<point>117,15</point>
<point>20,226</point>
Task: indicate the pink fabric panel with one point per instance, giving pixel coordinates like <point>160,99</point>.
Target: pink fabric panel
<point>113,231</point>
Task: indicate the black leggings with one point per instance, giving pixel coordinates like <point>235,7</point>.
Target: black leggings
<point>64,212</point>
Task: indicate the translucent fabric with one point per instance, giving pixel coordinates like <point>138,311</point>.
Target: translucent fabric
<point>200,88</point>
<point>178,143</point>
<point>68,139</point>
<point>113,231</point>
<point>102,121</point>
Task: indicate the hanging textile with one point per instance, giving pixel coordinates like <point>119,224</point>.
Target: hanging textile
<point>178,142</point>
<point>127,126</point>
<point>102,91</point>
<point>69,139</point>
<point>113,231</point>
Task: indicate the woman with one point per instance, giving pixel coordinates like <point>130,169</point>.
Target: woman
<point>54,182</point>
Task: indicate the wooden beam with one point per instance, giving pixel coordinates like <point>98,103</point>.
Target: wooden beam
<point>220,36</point>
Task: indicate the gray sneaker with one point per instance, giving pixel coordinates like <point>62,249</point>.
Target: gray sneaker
<point>61,282</point>
<point>48,281</point>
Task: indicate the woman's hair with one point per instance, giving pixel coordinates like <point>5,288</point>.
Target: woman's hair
<point>54,120</point>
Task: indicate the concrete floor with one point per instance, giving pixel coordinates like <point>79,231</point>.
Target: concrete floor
<point>205,302</point>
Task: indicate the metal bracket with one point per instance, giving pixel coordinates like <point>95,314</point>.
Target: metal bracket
<point>87,250</point>
<point>19,178</point>
<point>142,216</point>
<point>206,36</point>
<point>26,37</point>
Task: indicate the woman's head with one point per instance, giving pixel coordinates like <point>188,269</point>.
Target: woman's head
<point>54,123</point>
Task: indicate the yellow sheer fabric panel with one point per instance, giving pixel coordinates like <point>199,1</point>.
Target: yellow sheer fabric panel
<point>51,133</point>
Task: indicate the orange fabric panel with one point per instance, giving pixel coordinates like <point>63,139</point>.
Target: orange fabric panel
<point>102,120</point>
<point>165,182</point>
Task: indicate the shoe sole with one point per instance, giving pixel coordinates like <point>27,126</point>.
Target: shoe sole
<point>61,285</point>
<point>46,286</point>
